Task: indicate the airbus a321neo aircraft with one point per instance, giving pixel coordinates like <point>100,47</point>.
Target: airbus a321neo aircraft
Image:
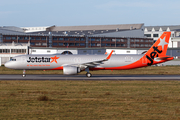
<point>74,64</point>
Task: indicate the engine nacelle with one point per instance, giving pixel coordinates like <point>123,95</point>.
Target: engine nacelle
<point>70,70</point>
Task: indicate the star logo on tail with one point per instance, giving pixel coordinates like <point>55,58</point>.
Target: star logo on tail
<point>54,59</point>
<point>162,43</point>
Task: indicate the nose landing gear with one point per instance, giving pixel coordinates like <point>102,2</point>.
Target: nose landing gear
<point>24,73</point>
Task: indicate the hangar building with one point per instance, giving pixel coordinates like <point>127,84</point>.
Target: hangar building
<point>97,36</point>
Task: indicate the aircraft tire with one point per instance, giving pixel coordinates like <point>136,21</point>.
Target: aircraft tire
<point>88,75</point>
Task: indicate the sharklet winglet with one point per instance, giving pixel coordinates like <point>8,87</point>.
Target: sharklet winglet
<point>109,56</point>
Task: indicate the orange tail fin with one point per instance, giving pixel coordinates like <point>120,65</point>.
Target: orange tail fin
<point>159,48</point>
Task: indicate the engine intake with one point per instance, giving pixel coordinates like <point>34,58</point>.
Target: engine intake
<point>70,70</point>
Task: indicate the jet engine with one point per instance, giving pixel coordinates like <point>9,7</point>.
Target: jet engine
<point>70,70</point>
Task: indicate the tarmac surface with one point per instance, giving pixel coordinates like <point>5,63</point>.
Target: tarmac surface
<point>94,77</point>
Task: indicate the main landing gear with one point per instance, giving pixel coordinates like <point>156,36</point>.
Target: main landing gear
<point>88,74</point>
<point>24,73</point>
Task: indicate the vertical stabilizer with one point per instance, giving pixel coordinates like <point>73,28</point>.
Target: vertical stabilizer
<point>159,48</point>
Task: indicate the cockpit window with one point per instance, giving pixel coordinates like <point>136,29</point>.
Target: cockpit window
<point>13,60</point>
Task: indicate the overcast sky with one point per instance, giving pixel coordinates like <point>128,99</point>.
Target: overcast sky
<point>34,13</point>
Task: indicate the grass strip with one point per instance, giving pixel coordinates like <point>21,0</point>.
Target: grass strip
<point>87,100</point>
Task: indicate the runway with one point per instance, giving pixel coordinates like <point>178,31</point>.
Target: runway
<point>94,77</point>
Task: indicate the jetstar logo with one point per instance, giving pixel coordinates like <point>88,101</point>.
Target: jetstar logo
<point>43,59</point>
<point>54,59</point>
<point>153,55</point>
<point>156,51</point>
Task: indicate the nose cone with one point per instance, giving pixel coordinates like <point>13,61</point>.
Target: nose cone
<point>9,64</point>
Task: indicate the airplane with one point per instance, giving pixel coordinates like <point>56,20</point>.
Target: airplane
<point>74,64</point>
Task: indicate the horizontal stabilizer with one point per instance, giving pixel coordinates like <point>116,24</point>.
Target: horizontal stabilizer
<point>163,58</point>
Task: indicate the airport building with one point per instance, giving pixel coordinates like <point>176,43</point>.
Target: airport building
<point>97,36</point>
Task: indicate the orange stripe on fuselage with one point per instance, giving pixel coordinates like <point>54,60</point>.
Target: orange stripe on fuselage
<point>58,68</point>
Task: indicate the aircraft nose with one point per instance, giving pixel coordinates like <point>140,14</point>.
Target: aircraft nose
<point>7,64</point>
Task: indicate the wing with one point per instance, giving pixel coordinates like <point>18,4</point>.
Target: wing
<point>93,63</point>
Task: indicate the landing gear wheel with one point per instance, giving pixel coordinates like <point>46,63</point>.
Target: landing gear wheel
<point>24,73</point>
<point>88,75</point>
